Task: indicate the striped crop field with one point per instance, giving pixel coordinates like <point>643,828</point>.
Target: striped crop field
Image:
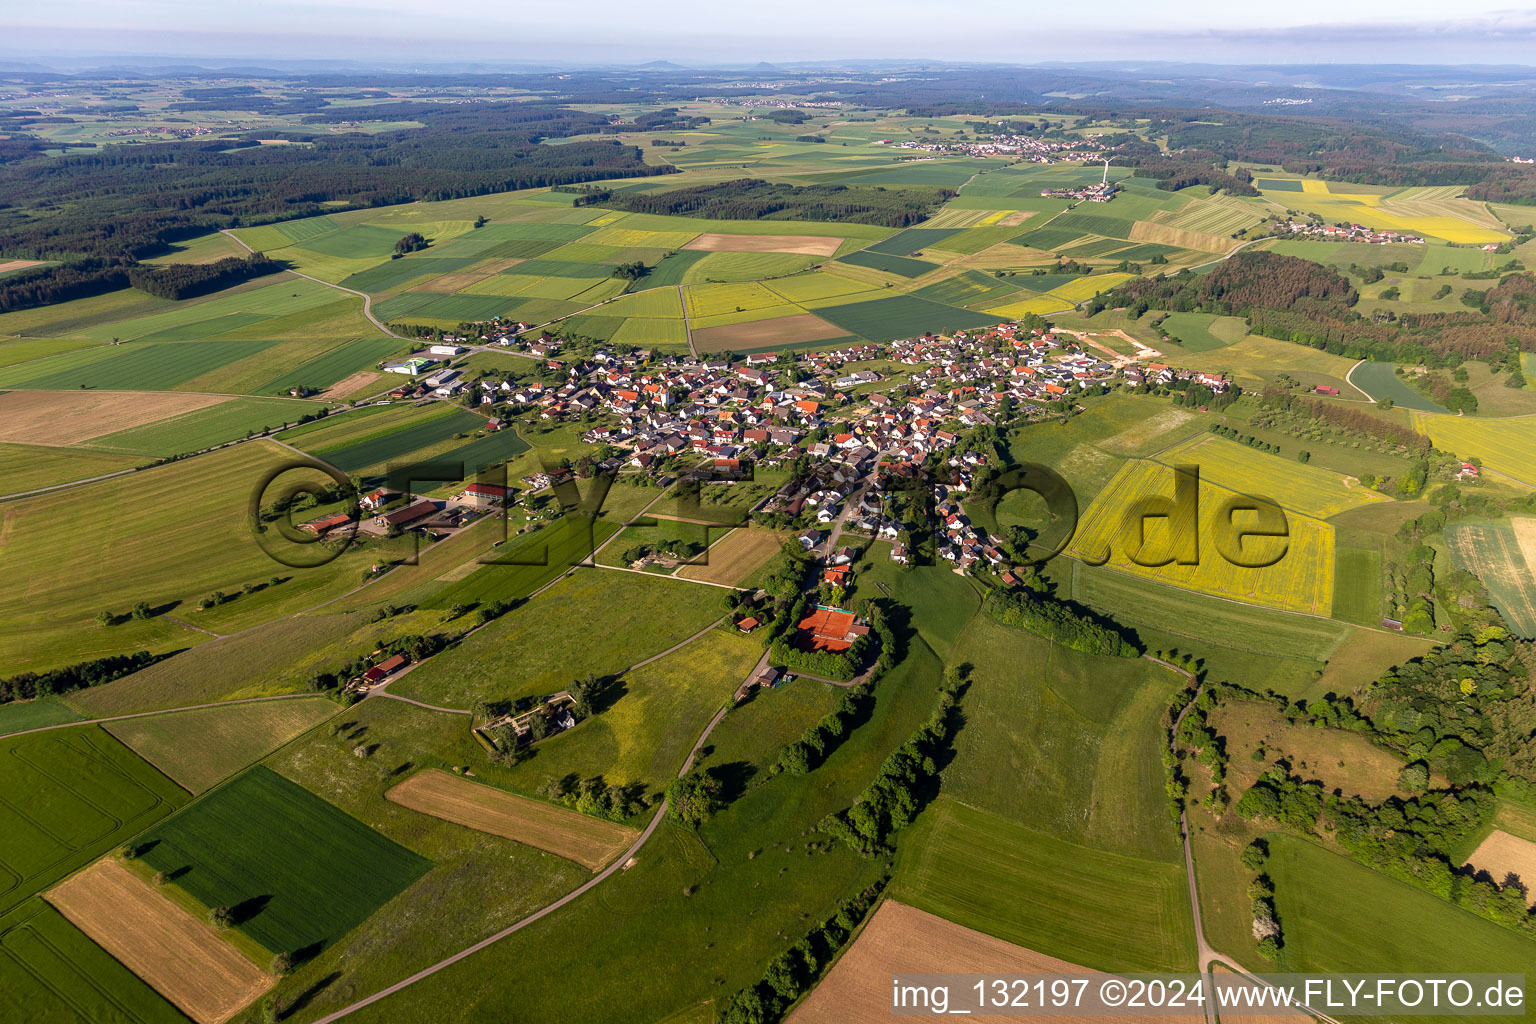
<point>1300,581</point>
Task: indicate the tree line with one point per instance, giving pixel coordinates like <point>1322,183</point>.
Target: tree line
<point>754,199</point>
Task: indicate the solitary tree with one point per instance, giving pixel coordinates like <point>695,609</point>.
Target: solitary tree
<point>222,917</point>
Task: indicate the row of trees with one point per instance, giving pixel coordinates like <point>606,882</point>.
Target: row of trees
<point>83,675</point>
<point>754,199</point>
<point>889,803</point>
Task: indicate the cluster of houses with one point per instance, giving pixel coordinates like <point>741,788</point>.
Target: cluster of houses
<point>1346,233</point>
<point>1025,147</point>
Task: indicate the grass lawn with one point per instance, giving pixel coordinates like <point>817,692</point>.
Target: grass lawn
<point>1089,906</point>
<point>71,795</point>
<point>299,872</point>
<point>199,749</point>
<point>593,621</point>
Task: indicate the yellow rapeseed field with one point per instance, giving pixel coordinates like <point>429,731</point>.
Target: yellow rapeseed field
<point>1300,581</point>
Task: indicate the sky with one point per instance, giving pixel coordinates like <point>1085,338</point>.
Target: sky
<point>711,31</point>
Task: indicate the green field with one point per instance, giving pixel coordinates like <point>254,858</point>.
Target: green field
<point>490,450</point>
<point>1380,382</point>
<point>1341,916</point>
<point>52,974</point>
<point>25,467</point>
<point>204,428</point>
<point>968,288</point>
<point>1248,628</point>
<point>136,367</point>
<point>199,749</point>
<point>528,563</point>
<point>304,872</point>
<point>67,797</point>
<point>1088,906</point>
<point>901,316</point>
<point>324,370</point>
<point>167,536</point>
<point>1065,743</point>
<point>594,621</point>
<point>903,266</point>
<point>644,737</point>
<point>397,444</point>
<point>1202,332</point>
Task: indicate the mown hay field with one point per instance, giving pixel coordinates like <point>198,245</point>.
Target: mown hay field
<point>1301,580</point>
<point>168,536</point>
<point>180,956</point>
<point>1310,490</point>
<point>70,417</point>
<point>1502,855</point>
<point>736,556</point>
<point>590,842</point>
<point>26,468</point>
<point>301,871</point>
<point>808,245</point>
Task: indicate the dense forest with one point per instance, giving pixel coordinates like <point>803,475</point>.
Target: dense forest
<point>753,199</point>
<point>1297,300</point>
<point>187,280</point>
<point>119,203</point>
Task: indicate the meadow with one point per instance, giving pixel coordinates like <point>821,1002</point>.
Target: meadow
<point>659,712</point>
<point>1062,742</point>
<point>525,565</point>
<point>1103,910</point>
<point>26,467</point>
<point>757,853</point>
<point>1202,332</point>
<point>1300,579</point>
<point>288,861</point>
<point>199,749</point>
<point>168,537</point>
<point>1342,916</point>
<point>203,428</point>
<point>70,796</point>
<point>592,621</point>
